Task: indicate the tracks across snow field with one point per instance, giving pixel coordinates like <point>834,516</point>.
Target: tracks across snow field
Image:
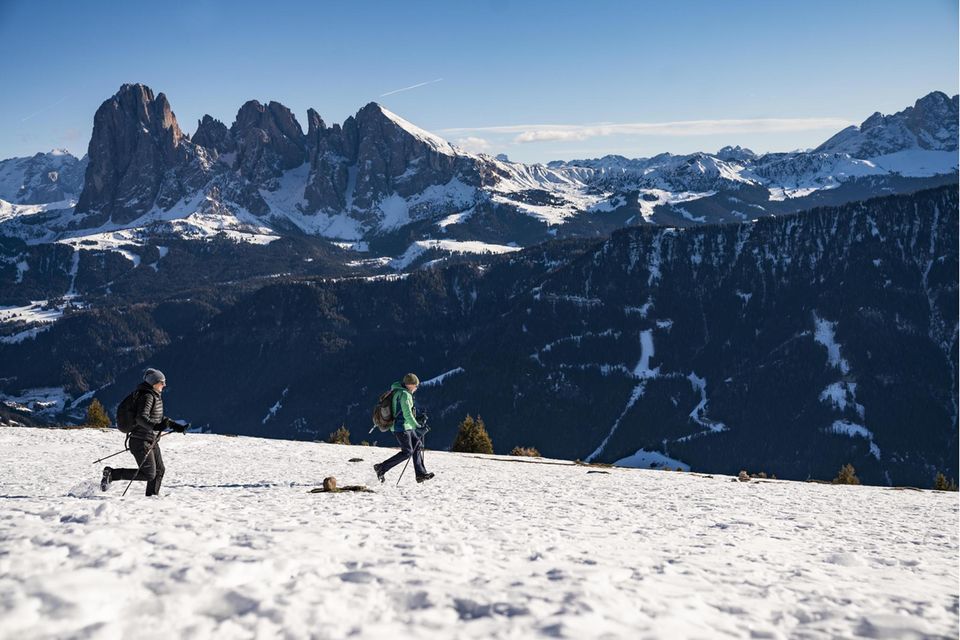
<point>236,547</point>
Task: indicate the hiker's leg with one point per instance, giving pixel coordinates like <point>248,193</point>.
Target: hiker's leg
<point>406,448</point>
<point>139,449</point>
<point>418,454</point>
<point>153,486</point>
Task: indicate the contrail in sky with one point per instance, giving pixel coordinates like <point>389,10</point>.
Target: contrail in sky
<point>36,113</point>
<point>389,93</point>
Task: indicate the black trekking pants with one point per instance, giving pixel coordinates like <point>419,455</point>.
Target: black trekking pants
<point>151,465</point>
<point>411,444</point>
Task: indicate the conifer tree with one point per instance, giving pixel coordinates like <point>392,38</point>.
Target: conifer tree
<point>97,416</point>
<point>941,483</point>
<point>847,475</point>
<point>340,436</point>
<point>472,437</point>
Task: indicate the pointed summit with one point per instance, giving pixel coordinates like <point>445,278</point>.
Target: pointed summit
<point>929,125</point>
<point>135,152</point>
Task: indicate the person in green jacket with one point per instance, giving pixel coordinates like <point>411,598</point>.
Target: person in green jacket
<point>405,428</point>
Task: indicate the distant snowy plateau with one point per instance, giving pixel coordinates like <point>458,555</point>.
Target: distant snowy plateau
<point>493,547</point>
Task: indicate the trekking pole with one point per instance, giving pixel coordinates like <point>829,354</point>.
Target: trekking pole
<point>147,455</point>
<point>404,469</point>
<point>111,455</point>
<point>126,447</point>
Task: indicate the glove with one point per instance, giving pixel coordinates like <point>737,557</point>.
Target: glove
<point>179,428</point>
<point>422,418</point>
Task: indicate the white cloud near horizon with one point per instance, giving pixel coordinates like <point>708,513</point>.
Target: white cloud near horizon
<point>527,133</point>
<point>414,86</point>
<point>473,143</point>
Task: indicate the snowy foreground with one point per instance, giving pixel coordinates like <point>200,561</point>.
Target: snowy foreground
<point>492,548</point>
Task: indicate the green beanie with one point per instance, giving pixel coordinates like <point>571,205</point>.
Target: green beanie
<point>411,378</point>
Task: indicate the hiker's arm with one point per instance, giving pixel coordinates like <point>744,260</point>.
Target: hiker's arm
<point>406,405</point>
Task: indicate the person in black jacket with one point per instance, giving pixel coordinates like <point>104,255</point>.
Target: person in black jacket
<point>144,439</point>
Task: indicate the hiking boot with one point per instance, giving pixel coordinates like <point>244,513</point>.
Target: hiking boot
<point>105,479</point>
<point>425,477</point>
<point>376,469</point>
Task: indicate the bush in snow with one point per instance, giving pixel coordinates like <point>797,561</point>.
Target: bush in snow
<point>472,437</point>
<point>941,483</point>
<point>530,452</point>
<point>340,436</point>
<point>847,475</point>
<point>97,416</point>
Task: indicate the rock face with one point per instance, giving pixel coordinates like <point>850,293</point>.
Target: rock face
<point>792,345</point>
<point>930,124</point>
<point>269,141</point>
<point>42,178</point>
<point>139,158</point>
<point>214,136</point>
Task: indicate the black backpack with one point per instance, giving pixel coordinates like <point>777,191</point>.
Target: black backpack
<point>127,412</point>
<point>383,416</point>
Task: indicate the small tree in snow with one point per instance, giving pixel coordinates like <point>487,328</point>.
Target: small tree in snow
<point>97,416</point>
<point>941,483</point>
<point>340,436</point>
<point>847,475</point>
<point>472,437</point>
<point>530,452</point>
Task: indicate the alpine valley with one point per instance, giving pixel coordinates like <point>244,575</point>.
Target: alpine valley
<point>785,312</point>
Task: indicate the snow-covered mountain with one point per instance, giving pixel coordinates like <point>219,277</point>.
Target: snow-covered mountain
<point>493,547</point>
<point>380,182</point>
<point>43,178</point>
<point>929,125</point>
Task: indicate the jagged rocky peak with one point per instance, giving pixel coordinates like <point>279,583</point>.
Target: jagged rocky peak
<point>138,157</point>
<point>736,154</point>
<point>213,134</point>
<point>269,141</point>
<point>930,124</point>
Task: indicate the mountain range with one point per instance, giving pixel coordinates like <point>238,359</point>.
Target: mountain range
<point>391,189</point>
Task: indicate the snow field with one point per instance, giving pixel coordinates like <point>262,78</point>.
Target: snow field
<point>492,548</point>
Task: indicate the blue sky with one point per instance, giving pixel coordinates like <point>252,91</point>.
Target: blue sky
<point>536,80</point>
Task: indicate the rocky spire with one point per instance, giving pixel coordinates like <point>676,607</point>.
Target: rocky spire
<point>269,141</point>
<point>138,155</point>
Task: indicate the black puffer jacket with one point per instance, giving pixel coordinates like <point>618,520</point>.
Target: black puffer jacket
<point>149,409</point>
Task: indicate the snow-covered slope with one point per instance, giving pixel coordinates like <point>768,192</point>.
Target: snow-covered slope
<point>236,547</point>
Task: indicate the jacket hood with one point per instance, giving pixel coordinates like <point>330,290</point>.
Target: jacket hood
<point>396,386</point>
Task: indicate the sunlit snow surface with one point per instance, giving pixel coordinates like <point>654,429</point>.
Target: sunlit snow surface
<point>491,548</point>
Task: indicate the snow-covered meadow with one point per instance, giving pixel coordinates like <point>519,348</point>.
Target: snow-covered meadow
<point>236,547</point>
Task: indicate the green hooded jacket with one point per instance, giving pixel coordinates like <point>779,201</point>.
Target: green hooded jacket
<point>403,419</point>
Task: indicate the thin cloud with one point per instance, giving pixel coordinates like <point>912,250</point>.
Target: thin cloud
<point>390,93</point>
<point>46,108</point>
<point>527,133</point>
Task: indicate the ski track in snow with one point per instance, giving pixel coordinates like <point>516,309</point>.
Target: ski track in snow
<point>236,548</point>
